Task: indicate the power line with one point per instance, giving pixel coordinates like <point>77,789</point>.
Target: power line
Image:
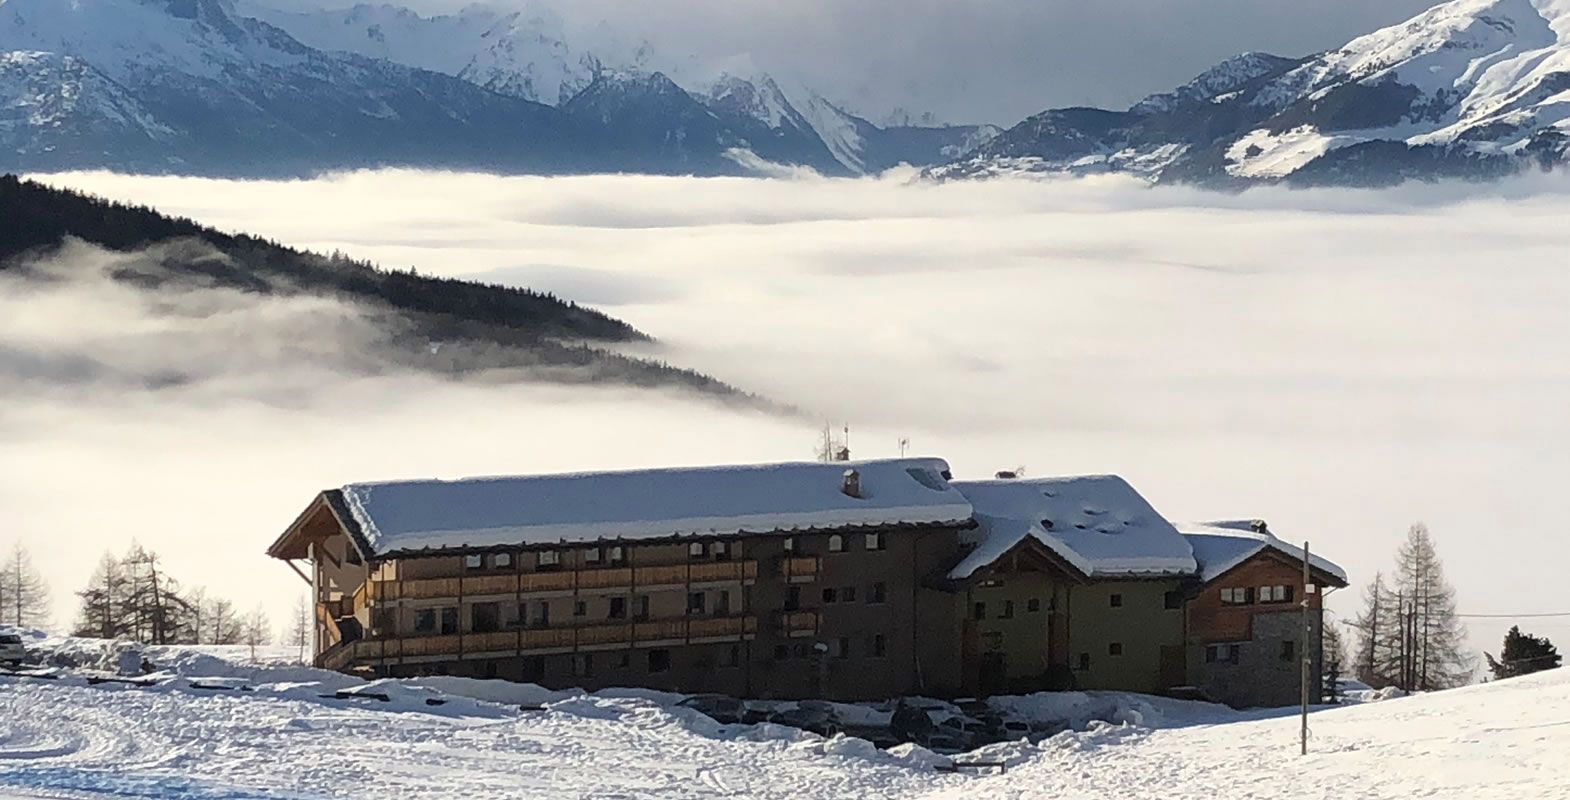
<point>1514,616</point>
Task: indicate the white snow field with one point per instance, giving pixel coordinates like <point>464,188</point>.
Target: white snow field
<point>280,738</point>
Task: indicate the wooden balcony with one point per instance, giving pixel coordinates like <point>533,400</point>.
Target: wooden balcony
<point>798,623</point>
<point>522,642</point>
<point>800,569</point>
<point>569,581</point>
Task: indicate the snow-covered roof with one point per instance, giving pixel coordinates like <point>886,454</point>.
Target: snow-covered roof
<point>1220,546</point>
<point>1098,523</point>
<point>542,509</point>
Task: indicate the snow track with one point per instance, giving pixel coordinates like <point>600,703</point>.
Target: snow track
<point>286,742</point>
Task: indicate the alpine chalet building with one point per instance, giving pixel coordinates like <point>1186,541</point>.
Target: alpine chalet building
<point>845,580</point>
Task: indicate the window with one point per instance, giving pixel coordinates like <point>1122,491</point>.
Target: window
<point>485,617</point>
<point>618,555</point>
<point>642,602</point>
<point>848,594</point>
<point>583,664</point>
<point>580,608</point>
<point>1084,661</point>
<point>830,595</point>
<point>696,550</point>
<point>624,659</point>
<point>618,609</point>
<point>721,551</point>
<point>836,544</point>
<point>352,555</point>
<point>697,602</point>
<point>1008,610</point>
<point>879,593</point>
<point>1117,600</point>
<point>793,598</point>
<point>591,555</point>
<point>549,559</point>
<point>878,646</point>
<point>790,544</point>
<point>1172,600</point>
<point>1115,649</point>
<point>843,651</point>
<point>731,657</point>
<point>781,652</point>
<point>979,611</point>
<point>543,618</point>
<point>801,651</point>
<point>449,621</point>
<point>1222,653</point>
<point>501,560</point>
<point>1033,605</point>
<point>722,603</point>
<point>875,541</point>
<point>1276,594</point>
<point>659,660</point>
<point>473,562</point>
<point>522,619</point>
<point>1288,649</point>
<point>425,620</point>
<point>1240,596</point>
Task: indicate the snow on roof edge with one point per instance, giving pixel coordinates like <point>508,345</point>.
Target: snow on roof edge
<point>1242,531</point>
<point>525,510</point>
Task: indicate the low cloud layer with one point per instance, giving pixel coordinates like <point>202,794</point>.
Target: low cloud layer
<point>1340,363</point>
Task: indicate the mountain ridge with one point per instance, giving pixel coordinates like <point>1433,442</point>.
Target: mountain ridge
<point>1471,89</point>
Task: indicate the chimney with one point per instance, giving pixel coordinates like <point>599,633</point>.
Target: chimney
<point>852,485</point>
<point>1259,526</point>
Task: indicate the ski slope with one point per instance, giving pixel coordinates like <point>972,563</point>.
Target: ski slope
<point>282,739</point>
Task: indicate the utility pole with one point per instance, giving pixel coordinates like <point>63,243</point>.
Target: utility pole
<point>1308,658</point>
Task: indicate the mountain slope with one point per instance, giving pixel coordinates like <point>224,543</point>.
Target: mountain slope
<point>215,92</point>
<point>528,55</point>
<point>425,323</point>
<point>1470,88</point>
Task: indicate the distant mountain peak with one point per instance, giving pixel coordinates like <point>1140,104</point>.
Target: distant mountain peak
<point>1470,89</point>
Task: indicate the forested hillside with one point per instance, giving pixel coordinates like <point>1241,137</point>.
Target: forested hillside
<point>472,327</point>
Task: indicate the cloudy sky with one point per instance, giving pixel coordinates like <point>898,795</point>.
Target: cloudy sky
<point>980,60</point>
<point>1340,363</point>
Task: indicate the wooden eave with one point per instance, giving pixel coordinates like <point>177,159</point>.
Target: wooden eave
<point>1031,549</point>
<point>1320,577</point>
<point>294,544</point>
<point>433,552</point>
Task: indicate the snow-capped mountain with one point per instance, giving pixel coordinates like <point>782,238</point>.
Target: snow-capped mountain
<point>527,54</point>
<point>1470,88</point>
<point>517,53</point>
<point>190,86</point>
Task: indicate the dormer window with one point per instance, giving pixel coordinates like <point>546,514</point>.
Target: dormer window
<point>836,544</point>
<point>475,561</point>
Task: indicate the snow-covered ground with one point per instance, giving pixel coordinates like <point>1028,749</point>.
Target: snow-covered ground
<point>285,735</point>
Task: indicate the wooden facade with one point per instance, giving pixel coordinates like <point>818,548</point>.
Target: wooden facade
<point>850,614</point>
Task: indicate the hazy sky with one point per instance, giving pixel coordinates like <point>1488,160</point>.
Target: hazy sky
<point>981,60</point>
<point>1340,363</point>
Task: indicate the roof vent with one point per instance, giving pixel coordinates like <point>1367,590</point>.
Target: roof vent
<point>852,484</point>
<point>1259,526</point>
<point>1007,475</point>
<point>1046,523</point>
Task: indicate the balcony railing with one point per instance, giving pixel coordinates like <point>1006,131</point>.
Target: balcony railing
<point>565,581</point>
<point>798,622</point>
<point>630,634</point>
<point>800,568</point>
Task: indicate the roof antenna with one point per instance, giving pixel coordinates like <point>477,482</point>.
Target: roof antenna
<point>904,445</point>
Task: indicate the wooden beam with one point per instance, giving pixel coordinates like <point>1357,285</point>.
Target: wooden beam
<point>303,576</point>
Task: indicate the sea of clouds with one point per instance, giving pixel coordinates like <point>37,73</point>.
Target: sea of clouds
<point>1341,363</point>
